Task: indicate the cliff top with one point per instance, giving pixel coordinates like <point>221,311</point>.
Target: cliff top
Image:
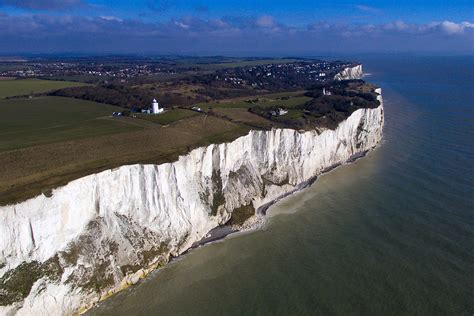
<point>68,134</point>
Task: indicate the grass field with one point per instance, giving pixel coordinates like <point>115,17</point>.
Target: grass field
<point>242,115</point>
<point>45,120</point>
<point>290,103</point>
<point>169,116</point>
<point>286,100</point>
<point>26,172</point>
<point>9,88</point>
<point>292,114</point>
<point>46,142</point>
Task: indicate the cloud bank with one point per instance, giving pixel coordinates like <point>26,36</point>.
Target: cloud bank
<point>263,34</point>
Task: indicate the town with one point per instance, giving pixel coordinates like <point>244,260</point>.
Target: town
<point>108,70</point>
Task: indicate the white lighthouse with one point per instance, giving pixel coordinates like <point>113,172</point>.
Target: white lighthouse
<point>156,108</point>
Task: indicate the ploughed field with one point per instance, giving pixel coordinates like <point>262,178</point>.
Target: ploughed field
<point>52,132</point>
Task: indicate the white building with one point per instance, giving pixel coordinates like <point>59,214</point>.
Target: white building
<point>279,112</point>
<point>282,111</point>
<point>326,92</point>
<point>156,108</point>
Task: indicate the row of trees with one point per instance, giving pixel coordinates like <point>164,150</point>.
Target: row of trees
<point>127,96</point>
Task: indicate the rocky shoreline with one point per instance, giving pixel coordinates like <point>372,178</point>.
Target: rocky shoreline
<point>258,220</point>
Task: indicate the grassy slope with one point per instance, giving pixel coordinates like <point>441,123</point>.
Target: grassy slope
<point>25,173</point>
<point>242,115</point>
<point>169,116</point>
<point>275,99</point>
<point>237,109</point>
<point>45,120</point>
<point>9,88</point>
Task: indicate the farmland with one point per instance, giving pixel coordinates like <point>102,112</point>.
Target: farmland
<point>47,141</point>
<point>288,100</point>
<point>30,171</point>
<point>242,115</point>
<point>169,116</point>
<point>52,132</point>
<point>46,120</point>
<point>9,88</point>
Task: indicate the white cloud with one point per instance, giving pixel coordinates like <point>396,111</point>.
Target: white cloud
<point>264,32</point>
<point>397,25</point>
<point>181,25</point>
<point>455,28</point>
<point>110,18</point>
<point>265,21</point>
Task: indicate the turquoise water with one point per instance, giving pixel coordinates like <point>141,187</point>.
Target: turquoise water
<point>391,234</point>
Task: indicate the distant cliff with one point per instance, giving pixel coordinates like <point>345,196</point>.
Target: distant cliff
<point>349,73</point>
<point>100,233</point>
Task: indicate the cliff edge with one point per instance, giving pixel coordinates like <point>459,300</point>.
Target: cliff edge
<point>350,73</point>
<point>100,233</point>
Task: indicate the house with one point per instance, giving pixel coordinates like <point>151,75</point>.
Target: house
<point>282,112</point>
<point>279,112</point>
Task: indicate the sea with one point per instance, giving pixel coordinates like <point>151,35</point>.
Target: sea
<point>391,234</point>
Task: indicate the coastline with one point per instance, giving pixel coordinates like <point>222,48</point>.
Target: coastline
<point>327,150</point>
<point>220,233</point>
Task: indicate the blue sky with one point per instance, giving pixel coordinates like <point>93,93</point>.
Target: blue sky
<point>236,27</point>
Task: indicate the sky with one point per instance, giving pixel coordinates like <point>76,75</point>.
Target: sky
<point>245,27</point>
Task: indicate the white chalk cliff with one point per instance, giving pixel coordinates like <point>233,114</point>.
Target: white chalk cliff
<point>349,73</point>
<point>103,231</point>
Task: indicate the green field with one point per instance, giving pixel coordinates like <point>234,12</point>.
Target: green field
<point>264,100</point>
<point>27,172</point>
<point>292,114</point>
<point>9,88</point>
<point>279,95</point>
<point>290,103</point>
<point>47,141</point>
<point>242,115</point>
<point>168,117</point>
<point>45,120</point>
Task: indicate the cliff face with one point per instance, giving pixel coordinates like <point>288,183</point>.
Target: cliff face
<point>101,232</point>
<point>350,73</point>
